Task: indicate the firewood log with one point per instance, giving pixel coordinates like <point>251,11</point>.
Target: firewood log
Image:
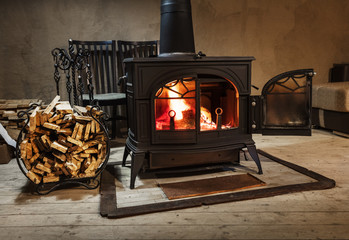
<point>47,179</point>
<point>62,142</point>
<point>34,177</point>
<point>59,147</point>
<point>32,119</point>
<point>50,107</point>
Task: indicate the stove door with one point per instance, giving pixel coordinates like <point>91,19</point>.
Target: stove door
<point>175,112</point>
<point>284,108</point>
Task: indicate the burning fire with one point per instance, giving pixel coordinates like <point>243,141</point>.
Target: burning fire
<point>175,108</point>
<point>177,105</point>
<point>206,120</point>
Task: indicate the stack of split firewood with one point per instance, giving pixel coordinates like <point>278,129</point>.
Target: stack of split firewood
<point>8,114</point>
<point>62,142</point>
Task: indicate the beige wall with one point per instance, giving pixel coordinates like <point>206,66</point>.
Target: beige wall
<point>281,34</point>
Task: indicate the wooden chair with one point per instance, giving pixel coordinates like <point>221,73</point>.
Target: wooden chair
<point>102,88</point>
<point>134,49</point>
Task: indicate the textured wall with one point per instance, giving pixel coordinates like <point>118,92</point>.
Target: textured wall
<point>31,29</point>
<point>281,34</point>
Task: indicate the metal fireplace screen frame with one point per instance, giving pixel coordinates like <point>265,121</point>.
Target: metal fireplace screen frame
<point>284,106</point>
<point>153,149</point>
<point>196,104</point>
<point>175,105</point>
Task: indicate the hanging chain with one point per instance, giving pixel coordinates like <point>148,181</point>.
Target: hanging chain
<point>68,85</point>
<point>57,78</point>
<point>89,81</point>
<point>72,61</point>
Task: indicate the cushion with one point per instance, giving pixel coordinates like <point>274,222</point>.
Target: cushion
<point>332,96</point>
<point>106,96</point>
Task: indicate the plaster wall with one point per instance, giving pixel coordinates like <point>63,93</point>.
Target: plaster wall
<point>281,34</point>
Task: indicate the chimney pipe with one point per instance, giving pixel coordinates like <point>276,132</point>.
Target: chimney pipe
<point>176,30</point>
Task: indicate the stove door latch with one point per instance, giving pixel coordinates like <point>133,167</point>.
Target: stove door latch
<point>255,114</point>
<point>199,55</point>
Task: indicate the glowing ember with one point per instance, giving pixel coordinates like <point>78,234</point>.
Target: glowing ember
<point>206,120</point>
<point>175,106</point>
<point>178,105</point>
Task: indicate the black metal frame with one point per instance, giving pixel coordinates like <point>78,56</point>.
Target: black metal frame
<point>259,103</point>
<point>70,62</point>
<point>109,209</point>
<point>46,188</point>
<point>101,84</point>
<point>198,81</point>
<point>133,49</point>
<point>180,96</point>
<point>146,146</point>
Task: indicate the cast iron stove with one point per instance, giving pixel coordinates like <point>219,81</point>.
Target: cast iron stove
<point>185,108</point>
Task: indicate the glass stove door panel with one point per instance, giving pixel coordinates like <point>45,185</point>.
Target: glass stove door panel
<point>175,114</point>
<point>286,110</point>
<point>284,107</point>
<point>175,107</point>
<point>219,105</point>
<point>287,101</point>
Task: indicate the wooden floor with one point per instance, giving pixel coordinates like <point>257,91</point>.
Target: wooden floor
<point>74,214</point>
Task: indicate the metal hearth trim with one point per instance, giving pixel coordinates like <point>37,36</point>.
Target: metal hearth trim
<point>108,204</point>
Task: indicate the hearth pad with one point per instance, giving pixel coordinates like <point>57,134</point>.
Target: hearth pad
<point>209,186</point>
<point>281,177</point>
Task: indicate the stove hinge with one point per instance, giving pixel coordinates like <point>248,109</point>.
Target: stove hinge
<point>255,123</point>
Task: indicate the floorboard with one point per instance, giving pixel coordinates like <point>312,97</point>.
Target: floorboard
<point>74,213</point>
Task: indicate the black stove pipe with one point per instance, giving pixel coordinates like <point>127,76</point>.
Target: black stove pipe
<point>176,30</point>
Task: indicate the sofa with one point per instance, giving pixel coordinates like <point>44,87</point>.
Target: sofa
<point>330,101</point>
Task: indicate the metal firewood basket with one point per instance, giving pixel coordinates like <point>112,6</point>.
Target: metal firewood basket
<point>64,181</point>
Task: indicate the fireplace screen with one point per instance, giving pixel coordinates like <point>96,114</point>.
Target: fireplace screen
<point>176,108</point>
<point>175,105</point>
<point>219,105</point>
<point>286,102</point>
<point>285,105</point>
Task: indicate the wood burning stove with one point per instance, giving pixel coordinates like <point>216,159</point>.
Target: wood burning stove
<point>185,108</point>
<point>185,111</point>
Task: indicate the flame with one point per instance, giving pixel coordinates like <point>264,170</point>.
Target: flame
<point>182,109</point>
<point>206,119</point>
<point>178,98</point>
<point>177,105</point>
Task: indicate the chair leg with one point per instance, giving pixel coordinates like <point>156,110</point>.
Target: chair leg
<point>113,123</point>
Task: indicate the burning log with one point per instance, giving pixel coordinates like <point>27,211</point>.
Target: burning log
<point>62,142</point>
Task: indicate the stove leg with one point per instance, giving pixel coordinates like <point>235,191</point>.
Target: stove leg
<point>253,152</point>
<point>137,161</point>
<point>126,153</point>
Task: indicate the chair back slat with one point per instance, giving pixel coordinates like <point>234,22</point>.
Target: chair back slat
<point>107,69</point>
<point>113,63</point>
<point>102,61</point>
<point>94,64</point>
<point>135,49</point>
<point>90,71</point>
<point>101,72</point>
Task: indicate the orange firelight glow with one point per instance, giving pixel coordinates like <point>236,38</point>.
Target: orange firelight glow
<point>176,103</point>
<point>206,120</point>
<point>175,106</point>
